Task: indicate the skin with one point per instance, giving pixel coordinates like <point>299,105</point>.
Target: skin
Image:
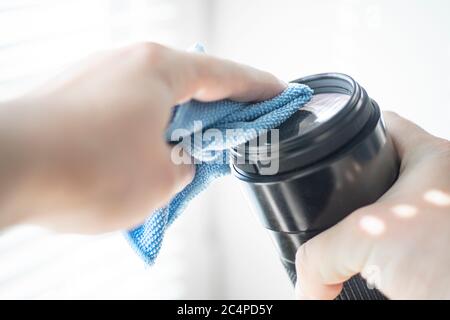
<point>401,241</point>
<point>85,153</point>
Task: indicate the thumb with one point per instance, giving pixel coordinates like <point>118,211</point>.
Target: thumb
<point>326,261</point>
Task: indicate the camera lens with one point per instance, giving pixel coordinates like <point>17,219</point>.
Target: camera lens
<point>321,108</point>
<point>333,156</point>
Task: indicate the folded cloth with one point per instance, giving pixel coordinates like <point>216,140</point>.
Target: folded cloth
<point>189,126</point>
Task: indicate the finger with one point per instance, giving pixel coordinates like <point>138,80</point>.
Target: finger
<point>405,134</point>
<point>175,175</point>
<point>334,256</point>
<point>195,75</point>
<point>218,79</point>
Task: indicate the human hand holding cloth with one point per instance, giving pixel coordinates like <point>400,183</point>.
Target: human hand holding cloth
<point>211,155</point>
<point>223,115</point>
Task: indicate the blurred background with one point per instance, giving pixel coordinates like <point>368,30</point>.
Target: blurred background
<point>399,50</point>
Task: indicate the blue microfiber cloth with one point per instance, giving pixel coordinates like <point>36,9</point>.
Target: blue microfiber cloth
<point>211,155</point>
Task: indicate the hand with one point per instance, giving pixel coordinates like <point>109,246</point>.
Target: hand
<point>86,152</point>
<point>402,240</point>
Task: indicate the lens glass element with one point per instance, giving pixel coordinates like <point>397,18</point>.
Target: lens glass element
<point>319,110</point>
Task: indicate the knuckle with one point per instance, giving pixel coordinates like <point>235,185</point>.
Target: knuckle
<point>149,53</point>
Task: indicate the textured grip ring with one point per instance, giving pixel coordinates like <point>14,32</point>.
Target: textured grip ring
<point>354,289</point>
